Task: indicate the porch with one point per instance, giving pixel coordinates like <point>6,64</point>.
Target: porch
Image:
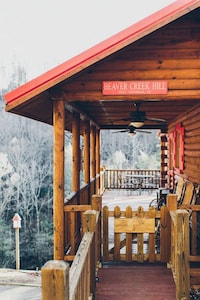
<point>129,269</point>
<point>136,282</point>
<point>133,280</point>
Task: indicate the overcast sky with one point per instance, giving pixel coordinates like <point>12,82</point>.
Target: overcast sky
<point>40,34</point>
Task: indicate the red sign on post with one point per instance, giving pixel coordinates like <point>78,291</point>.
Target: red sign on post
<point>135,87</point>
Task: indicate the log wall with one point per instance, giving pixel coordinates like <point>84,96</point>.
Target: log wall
<point>191,123</point>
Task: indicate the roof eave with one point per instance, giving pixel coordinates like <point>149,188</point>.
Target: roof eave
<point>98,52</point>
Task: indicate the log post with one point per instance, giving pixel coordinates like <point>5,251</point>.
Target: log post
<point>93,152</point>
<point>89,225</point>
<point>55,280</point>
<point>89,221</point>
<point>97,205</point>
<point>97,202</point>
<point>166,236</point>
<point>163,162</point>
<point>98,160</point>
<point>172,202</point>
<point>75,153</point>
<point>75,221</point>
<point>58,181</point>
<point>182,255</point>
<point>87,153</point>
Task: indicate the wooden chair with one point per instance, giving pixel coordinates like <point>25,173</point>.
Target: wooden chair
<point>162,194</point>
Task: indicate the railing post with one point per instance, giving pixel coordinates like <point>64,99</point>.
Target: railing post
<point>172,202</point>
<point>89,221</point>
<point>167,238</point>
<point>182,255</point>
<point>90,225</point>
<point>97,202</point>
<point>97,205</point>
<point>55,280</point>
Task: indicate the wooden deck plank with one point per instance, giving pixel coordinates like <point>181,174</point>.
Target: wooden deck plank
<point>138,281</point>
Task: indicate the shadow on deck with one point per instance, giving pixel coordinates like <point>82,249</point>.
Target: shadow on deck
<point>135,281</point>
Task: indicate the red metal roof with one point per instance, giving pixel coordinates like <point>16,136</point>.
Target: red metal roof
<point>101,50</point>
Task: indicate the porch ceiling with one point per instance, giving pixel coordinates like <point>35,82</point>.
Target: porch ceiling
<point>170,52</point>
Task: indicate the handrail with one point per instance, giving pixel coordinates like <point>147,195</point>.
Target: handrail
<point>59,282</point>
<point>73,223</point>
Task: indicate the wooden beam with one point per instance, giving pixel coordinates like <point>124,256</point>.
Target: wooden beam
<point>75,153</point>
<point>58,181</point>
<point>93,152</point>
<point>87,152</point>
<point>97,159</point>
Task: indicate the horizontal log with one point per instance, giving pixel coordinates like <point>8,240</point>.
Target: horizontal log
<point>169,74</point>
<point>185,117</point>
<point>162,53</point>
<point>190,153</point>
<point>194,258</point>
<point>193,170</point>
<point>192,147</point>
<point>194,276</point>
<point>167,44</point>
<point>192,175</point>
<point>192,160</point>
<point>124,64</point>
<point>192,140</point>
<point>178,95</point>
<point>192,167</point>
<point>87,85</point>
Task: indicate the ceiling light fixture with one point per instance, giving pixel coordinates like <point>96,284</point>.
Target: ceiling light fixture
<point>136,124</point>
<point>131,133</point>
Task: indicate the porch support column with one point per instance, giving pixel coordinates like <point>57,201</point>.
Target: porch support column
<point>76,153</point>
<point>93,151</point>
<point>87,152</point>
<point>58,181</point>
<point>163,160</point>
<point>98,160</point>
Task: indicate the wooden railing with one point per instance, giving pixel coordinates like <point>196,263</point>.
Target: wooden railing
<point>61,282</point>
<point>136,235</point>
<point>73,224</point>
<point>72,219</point>
<point>180,252</point>
<point>184,246</point>
<point>132,179</point>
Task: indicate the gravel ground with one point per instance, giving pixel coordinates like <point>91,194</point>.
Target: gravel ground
<point>20,285</point>
<point>23,277</point>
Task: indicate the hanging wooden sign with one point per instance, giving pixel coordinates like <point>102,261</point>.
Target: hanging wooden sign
<point>135,87</point>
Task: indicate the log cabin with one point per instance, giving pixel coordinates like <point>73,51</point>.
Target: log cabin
<point>146,76</point>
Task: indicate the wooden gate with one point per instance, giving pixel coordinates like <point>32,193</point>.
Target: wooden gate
<point>136,235</point>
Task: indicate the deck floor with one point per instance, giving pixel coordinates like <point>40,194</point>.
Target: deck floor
<point>139,281</point>
<point>134,281</point>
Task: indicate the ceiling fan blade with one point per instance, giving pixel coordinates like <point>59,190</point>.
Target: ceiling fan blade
<point>155,119</point>
<point>143,131</point>
<point>118,131</point>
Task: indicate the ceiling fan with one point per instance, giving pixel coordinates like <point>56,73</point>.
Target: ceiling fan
<point>131,130</point>
<point>138,117</point>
